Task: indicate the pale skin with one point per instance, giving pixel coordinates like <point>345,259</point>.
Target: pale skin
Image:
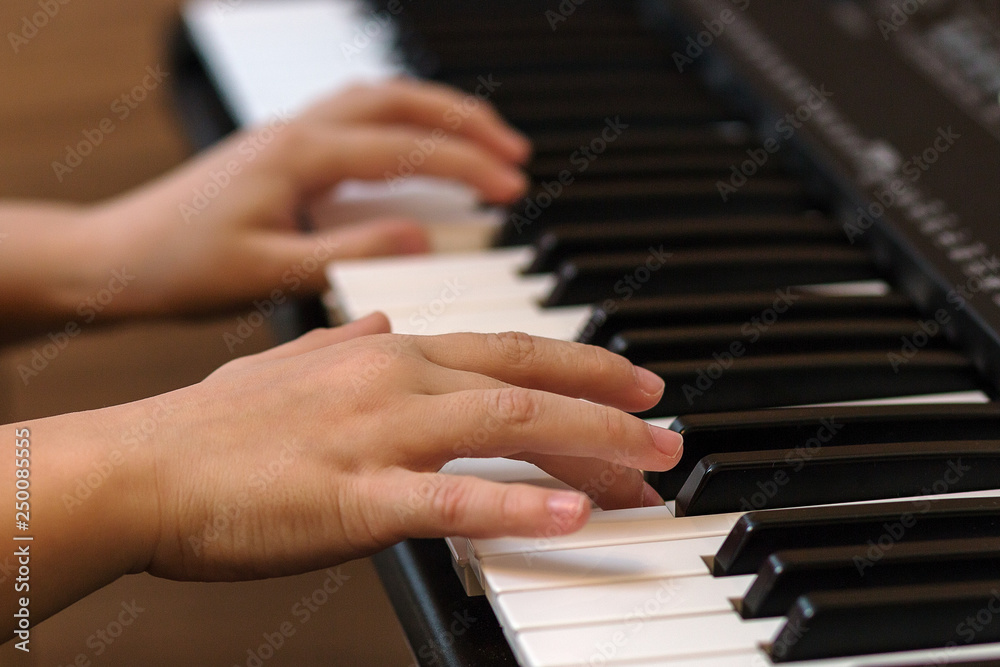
<point>348,426</point>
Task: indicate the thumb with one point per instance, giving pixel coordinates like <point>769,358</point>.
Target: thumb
<point>374,238</point>
<point>379,238</point>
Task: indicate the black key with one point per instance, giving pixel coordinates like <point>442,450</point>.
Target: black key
<point>562,143</point>
<point>772,479</point>
<point>950,663</point>
<point>729,383</point>
<point>809,429</point>
<point>516,53</point>
<point>643,346</point>
<point>619,164</point>
<point>607,82</point>
<point>560,243</point>
<point>658,271</point>
<point>881,526</point>
<point>555,203</point>
<point>758,310</point>
<point>448,24</point>
<point>528,114</point>
<point>788,574</point>
<point>832,624</point>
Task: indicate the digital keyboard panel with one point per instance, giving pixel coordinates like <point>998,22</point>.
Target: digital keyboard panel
<point>832,355</point>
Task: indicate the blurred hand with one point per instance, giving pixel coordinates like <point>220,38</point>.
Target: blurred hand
<point>224,229</point>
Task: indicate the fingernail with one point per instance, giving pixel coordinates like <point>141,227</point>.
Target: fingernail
<point>649,382</point>
<point>566,507</point>
<point>516,182</point>
<point>520,146</point>
<point>668,442</point>
<point>650,498</point>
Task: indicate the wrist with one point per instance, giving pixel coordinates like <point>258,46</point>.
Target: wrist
<point>93,510</point>
<point>107,289</point>
<point>102,484</point>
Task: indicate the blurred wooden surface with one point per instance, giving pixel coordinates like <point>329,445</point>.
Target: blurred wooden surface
<point>58,85</point>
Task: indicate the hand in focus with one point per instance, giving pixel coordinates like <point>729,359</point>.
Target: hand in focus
<point>223,229</point>
<point>327,448</point>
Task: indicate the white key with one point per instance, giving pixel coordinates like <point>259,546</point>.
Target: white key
<point>270,57</point>
<point>503,470</point>
<point>557,323</point>
<point>452,295</point>
<point>644,639</point>
<point>617,527</point>
<point>905,658</point>
<point>597,565</point>
<point>575,605</point>
<point>402,273</point>
<point>712,640</point>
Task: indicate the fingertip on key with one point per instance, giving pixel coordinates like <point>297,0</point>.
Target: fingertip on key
<point>567,508</point>
<point>669,443</point>
<point>514,184</point>
<point>649,382</point>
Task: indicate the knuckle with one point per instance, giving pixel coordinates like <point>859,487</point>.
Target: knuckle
<point>450,501</point>
<point>514,406</point>
<point>615,424</point>
<point>509,507</point>
<point>605,363</point>
<point>361,90</point>
<point>295,139</point>
<point>515,348</point>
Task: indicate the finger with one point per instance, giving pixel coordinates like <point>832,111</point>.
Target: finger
<point>612,485</point>
<point>514,421</point>
<point>436,505</point>
<point>582,371</point>
<point>428,105</point>
<point>322,158</point>
<point>376,238</point>
<point>375,323</point>
<point>380,238</point>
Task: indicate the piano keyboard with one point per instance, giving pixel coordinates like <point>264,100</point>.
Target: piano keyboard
<point>861,527</point>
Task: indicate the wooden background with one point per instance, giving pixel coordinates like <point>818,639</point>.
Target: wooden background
<point>59,84</point>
